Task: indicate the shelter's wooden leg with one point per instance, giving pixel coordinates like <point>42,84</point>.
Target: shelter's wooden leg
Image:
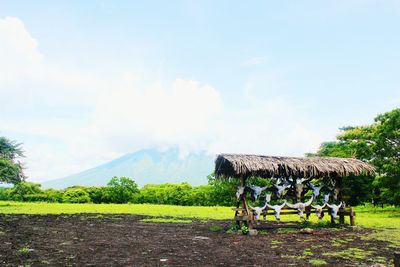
<point>341,217</point>
<point>352,217</point>
<point>250,218</point>
<point>308,212</point>
<point>396,260</point>
<point>236,214</point>
<point>239,219</point>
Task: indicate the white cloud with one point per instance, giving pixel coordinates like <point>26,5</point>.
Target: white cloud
<point>75,118</point>
<point>275,126</point>
<point>18,50</point>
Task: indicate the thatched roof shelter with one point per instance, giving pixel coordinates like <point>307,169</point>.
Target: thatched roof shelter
<point>238,165</point>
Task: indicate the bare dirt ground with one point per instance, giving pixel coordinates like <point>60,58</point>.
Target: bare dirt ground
<point>122,240</point>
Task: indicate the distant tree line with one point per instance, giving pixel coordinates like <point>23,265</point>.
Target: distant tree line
<point>125,190</point>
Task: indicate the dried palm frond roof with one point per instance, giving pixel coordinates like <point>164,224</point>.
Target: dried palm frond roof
<point>238,165</point>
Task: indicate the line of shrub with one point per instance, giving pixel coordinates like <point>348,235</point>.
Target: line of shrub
<point>125,190</point>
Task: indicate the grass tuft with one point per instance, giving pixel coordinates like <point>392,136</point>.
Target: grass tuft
<point>350,253</point>
<point>307,252</point>
<point>216,228</point>
<point>316,262</point>
<point>165,220</point>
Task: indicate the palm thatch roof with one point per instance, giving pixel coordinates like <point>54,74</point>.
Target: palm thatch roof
<point>238,165</point>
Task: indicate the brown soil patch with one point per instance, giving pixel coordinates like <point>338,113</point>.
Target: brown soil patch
<point>122,240</point>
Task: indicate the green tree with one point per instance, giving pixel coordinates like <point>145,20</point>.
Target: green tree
<point>98,194</point>
<point>379,144</point>
<point>386,144</point>
<point>223,190</point>
<point>11,170</point>
<point>76,195</point>
<point>121,189</point>
<point>21,190</point>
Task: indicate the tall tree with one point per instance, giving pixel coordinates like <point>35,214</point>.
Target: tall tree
<point>11,170</point>
<point>379,144</point>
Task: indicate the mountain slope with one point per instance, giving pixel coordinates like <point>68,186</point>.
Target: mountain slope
<point>145,167</point>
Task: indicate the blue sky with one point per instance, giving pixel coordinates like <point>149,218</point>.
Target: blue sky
<point>82,82</point>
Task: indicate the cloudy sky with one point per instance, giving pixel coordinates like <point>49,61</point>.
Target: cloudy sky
<point>83,82</point>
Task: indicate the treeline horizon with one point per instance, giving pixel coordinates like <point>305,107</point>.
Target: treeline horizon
<point>124,190</point>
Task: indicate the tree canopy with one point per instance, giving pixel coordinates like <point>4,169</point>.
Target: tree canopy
<point>379,144</point>
<point>11,170</point>
<point>121,189</point>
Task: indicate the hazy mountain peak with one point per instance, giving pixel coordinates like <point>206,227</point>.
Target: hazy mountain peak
<point>146,166</point>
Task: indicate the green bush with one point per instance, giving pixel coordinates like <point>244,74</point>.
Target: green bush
<point>173,194</point>
<point>20,191</point>
<point>98,194</point>
<point>121,189</point>
<point>76,195</point>
<point>202,196</point>
<point>5,193</point>
<point>39,197</point>
<point>124,190</point>
<point>53,195</point>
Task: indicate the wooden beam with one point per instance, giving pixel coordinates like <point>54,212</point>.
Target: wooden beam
<point>396,260</point>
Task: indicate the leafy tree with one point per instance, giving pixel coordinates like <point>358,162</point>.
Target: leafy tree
<point>5,193</point>
<point>379,144</point>
<point>121,189</point>
<point>76,195</point>
<point>53,195</point>
<point>173,194</point>
<point>223,192</point>
<point>98,194</point>
<point>20,191</point>
<point>10,149</point>
<point>11,170</point>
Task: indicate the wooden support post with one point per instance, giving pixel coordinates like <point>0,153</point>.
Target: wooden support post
<point>396,259</point>
<point>238,222</point>
<point>249,213</point>
<point>341,216</point>
<point>352,217</point>
<point>250,216</point>
<point>308,212</point>
<point>339,182</point>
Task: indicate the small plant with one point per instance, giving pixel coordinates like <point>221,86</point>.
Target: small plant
<point>263,232</point>
<point>216,228</point>
<point>307,252</point>
<point>233,228</point>
<point>24,250</point>
<point>245,230</point>
<point>316,262</point>
<point>306,224</point>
